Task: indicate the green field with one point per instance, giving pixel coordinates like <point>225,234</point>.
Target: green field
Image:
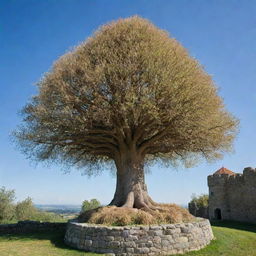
<point>232,239</point>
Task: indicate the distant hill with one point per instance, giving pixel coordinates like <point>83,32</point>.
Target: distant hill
<point>59,208</point>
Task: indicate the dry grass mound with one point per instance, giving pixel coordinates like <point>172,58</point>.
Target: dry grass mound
<point>118,216</point>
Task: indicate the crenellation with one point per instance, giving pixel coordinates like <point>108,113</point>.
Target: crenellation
<point>224,179</point>
<point>249,175</point>
<point>249,170</point>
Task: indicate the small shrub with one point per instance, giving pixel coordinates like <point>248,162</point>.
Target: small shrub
<point>89,205</point>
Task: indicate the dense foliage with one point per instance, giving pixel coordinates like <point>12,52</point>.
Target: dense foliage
<point>130,94</point>
<point>6,204</point>
<point>128,84</point>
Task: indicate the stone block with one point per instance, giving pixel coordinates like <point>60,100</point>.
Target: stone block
<point>131,238</point>
<point>165,243</point>
<point>156,239</point>
<point>130,250</point>
<point>144,250</point>
<point>109,238</point>
<point>181,239</point>
<point>130,244</point>
<point>114,244</point>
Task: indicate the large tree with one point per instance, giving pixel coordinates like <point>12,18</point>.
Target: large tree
<point>129,94</point>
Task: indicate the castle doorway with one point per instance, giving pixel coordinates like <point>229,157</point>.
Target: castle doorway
<point>217,214</point>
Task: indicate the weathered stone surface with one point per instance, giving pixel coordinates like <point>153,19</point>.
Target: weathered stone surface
<point>198,210</point>
<point>140,240</point>
<point>233,197</point>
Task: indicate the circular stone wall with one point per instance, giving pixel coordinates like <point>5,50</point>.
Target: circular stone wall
<point>130,240</point>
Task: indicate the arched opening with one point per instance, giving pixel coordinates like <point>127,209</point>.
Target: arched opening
<point>217,214</point>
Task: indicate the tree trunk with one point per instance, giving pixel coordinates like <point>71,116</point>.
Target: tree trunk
<point>131,190</point>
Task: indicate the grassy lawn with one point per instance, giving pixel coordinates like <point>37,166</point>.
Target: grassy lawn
<point>232,239</point>
<point>37,244</point>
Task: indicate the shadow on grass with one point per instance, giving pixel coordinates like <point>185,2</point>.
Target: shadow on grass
<point>235,225</point>
<point>55,237</point>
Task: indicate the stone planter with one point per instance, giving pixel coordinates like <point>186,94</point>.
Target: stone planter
<point>135,240</point>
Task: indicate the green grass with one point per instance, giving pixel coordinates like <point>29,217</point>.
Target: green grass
<point>37,244</point>
<point>232,239</point>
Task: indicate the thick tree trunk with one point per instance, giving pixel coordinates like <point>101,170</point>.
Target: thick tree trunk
<point>131,190</point>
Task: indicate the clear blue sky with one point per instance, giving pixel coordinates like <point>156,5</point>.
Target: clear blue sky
<point>220,34</point>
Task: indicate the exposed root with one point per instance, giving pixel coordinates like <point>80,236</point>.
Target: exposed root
<point>135,199</point>
<point>129,201</point>
<point>160,214</point>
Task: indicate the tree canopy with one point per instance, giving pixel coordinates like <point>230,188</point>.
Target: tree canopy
<point>128,94</point>
<point>6,204</point>
<point>130,83</point>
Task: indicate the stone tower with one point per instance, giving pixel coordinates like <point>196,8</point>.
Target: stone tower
<point>232,196</point>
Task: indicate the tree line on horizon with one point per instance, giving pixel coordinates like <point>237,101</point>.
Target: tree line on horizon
<point>26,209</point>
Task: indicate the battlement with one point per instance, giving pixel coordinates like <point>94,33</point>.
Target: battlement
<point>248,175</point>
<point>249,171</point>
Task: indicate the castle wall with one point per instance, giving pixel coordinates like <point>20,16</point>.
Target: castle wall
<point>198,211</point>
<point>234,195</point>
